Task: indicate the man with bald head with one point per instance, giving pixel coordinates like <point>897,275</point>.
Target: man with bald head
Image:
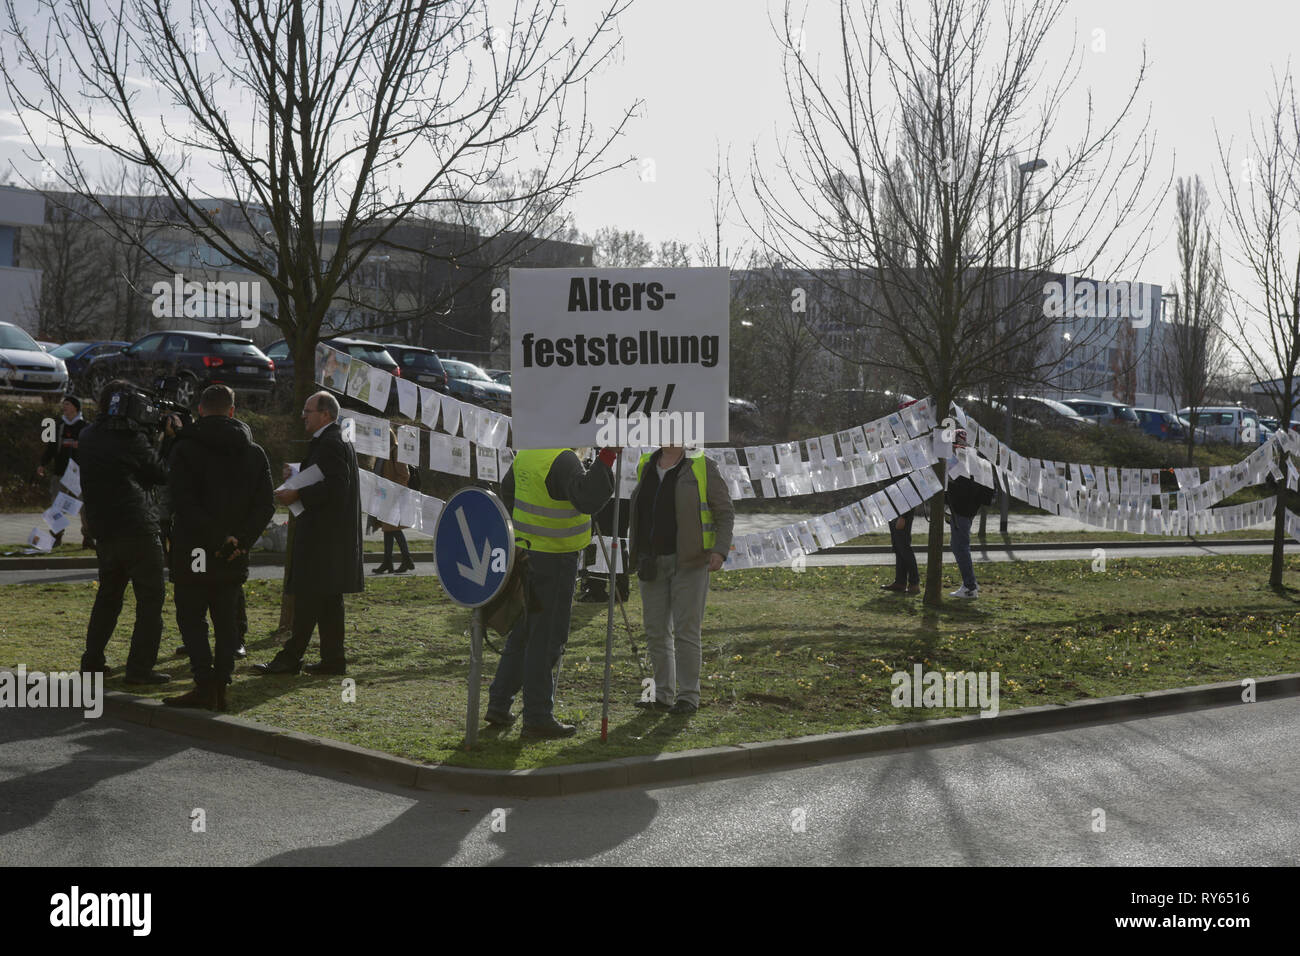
<point>326,559</point>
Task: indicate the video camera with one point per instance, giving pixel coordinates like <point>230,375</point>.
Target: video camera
<point>131,407</point>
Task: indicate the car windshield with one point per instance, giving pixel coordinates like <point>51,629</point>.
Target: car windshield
<point>421,360</point>
<point>69,350</point>
<point>12,337</point>
<point>1125,414</point>
<point>463,370</point>
<point>371,354</point>
<point>234,348</point>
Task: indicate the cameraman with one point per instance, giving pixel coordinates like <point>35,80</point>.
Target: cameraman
<point>118,467</point>
<point>220,485</point>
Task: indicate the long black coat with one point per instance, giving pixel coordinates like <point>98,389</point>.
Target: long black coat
<point>327,535</point>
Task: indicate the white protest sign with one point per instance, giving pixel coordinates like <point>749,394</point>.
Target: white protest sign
<point>585,342</point>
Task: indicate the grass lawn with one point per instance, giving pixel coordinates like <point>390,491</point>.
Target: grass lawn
<point>785,654</point>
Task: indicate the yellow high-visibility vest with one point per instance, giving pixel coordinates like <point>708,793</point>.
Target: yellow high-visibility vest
<point>546,523</point>
<point>702,480</point>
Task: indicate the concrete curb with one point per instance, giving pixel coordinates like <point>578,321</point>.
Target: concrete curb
<point>374,557</point>
<point>684,766</point>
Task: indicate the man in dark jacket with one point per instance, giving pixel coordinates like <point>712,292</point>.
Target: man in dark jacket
<point>326,559</point>
<point>118,467</point>
<point>61,451</point>
<point>965,498</point>
<point>221,500</point>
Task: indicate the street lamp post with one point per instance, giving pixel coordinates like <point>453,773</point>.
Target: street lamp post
<point>1026,170</point>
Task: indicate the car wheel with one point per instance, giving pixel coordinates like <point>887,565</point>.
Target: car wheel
<point>95,382</point>
<point>186,391</point>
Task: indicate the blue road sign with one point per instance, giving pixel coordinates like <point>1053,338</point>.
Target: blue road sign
<point>473,547</point>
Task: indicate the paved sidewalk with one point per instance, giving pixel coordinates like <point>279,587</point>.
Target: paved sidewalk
<point>16,527</point>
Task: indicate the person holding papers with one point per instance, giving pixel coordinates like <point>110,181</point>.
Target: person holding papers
<point>62,451</point>
<point>326,559</point>
<point>965,498</point>
<point>682,519</point>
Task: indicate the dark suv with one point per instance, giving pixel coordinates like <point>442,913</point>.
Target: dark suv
<point>421,365</point>
<point>372,353</point>
<point>187,362</point>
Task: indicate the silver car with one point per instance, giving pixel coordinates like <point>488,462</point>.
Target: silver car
<point>26,368</point>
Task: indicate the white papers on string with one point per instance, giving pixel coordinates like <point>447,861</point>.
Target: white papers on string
<point>408,445</point>
<point>429,406</point>
<point>600,565</point>
<point>450,414</point>
<point>369,433</point>
<point>408,397</point>
<point>486,462</point>
<point>41,540</point>
<point>449,454</point>
<point>381,383</point>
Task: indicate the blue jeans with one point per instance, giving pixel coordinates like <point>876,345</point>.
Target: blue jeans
<point>961,550</point>
<point>534,646</point>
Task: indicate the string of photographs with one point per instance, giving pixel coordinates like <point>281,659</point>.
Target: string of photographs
<point>891,447</point>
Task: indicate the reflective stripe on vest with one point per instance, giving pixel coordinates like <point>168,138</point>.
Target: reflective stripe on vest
<point>701,473</point>
<point>547,524</point>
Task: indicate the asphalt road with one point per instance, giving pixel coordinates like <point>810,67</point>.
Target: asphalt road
<point>1214,786</point>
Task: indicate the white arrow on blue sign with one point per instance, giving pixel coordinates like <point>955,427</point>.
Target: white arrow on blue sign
<point>473,547</point>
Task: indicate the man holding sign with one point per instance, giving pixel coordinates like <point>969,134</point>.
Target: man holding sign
<point>615,358</point>
<point>551,500</point>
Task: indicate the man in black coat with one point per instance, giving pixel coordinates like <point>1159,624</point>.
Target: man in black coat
<point>221,492</point>
<point>118,467</point>
<point>326,559</point>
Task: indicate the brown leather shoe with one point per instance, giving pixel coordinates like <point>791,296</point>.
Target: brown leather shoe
<point>203,696</point>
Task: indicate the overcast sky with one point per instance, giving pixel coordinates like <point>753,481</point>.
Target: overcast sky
<point>709,73</point>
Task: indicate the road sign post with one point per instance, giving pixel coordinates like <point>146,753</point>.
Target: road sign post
<point>474,553</point>
<point>613,590</point>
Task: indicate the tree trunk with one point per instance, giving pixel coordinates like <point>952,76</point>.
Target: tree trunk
<point>934,547</point>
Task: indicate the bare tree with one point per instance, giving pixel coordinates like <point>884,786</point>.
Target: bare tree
<point>616,248</point>
<point>1262,205</point>
<point>69,251</point>
<point>885,192</point>
<point>673,254</point>
<point>1194,349</point>
<point>313,118</point>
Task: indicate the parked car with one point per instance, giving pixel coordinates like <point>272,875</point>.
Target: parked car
<point>421,365</point>
<point>26,368</point>
<point>1103,412</point>
<point>1228,423</point>
<point>185,363</point>
<point>471,384</point>
<point>372,353</point>
<point>500,376</point>
<point>1165,426</point>
<point>77,356</point>
<point>48,346</point>
<point>1051,412</point>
